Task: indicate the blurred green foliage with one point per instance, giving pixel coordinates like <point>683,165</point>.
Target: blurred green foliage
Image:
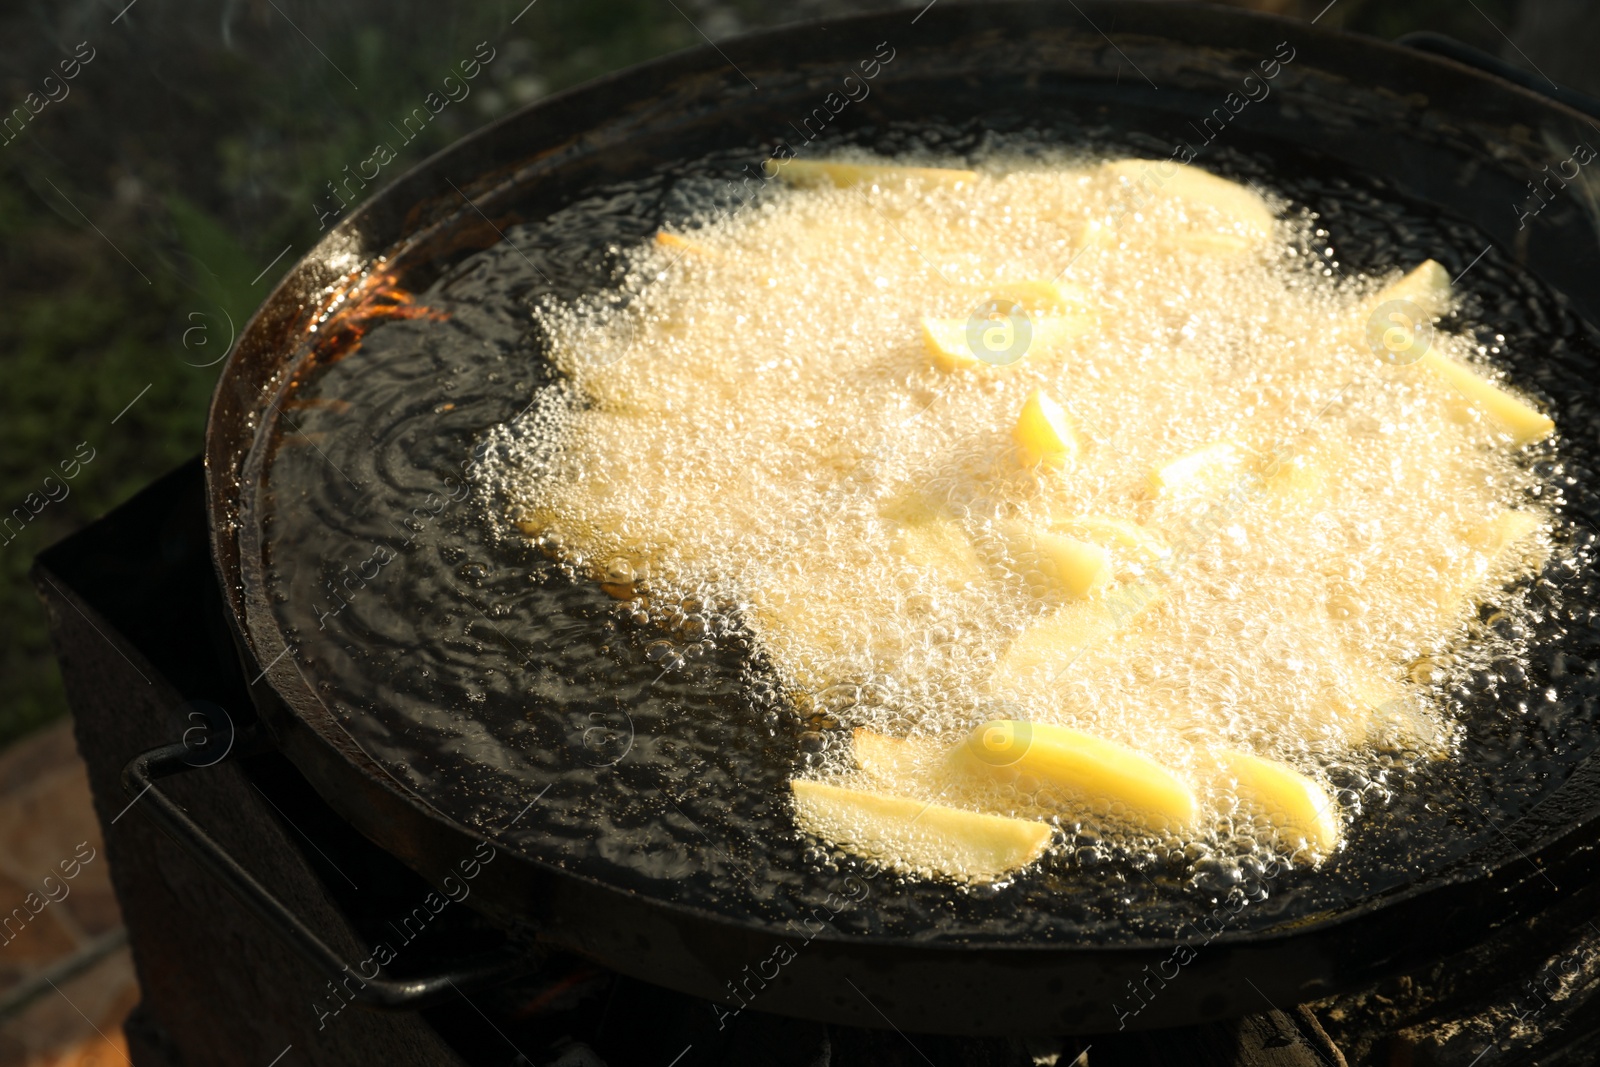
<point>200,149</point>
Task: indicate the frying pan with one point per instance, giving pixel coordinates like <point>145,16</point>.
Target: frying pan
<point>1439,133</point>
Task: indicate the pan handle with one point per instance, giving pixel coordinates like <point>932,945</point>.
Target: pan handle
<point>1440,44</point>
<point>388,994</point>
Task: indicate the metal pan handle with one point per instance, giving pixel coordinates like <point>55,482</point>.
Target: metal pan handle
<point>1440,44</point>
<point>389,994</point>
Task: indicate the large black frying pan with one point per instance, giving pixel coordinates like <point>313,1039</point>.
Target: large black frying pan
<point>1438,131</point>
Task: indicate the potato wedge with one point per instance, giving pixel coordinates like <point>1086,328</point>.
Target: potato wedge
<point>1299,810</point>
<point>1240,208</point>
<point>1491,546</point>
<point>891,761</point>
<point>1503,531</point>
<point>1139,541</point>
<point>679,243</point>
<point>1108,778</point>
<point>1428,286</point>
<point>1430,289</point>
<point>1299,478</point>
<point>946,342</point>
<point>1202,471</point>
<point>1100,780</point>
<point>1045,433</point>
<point>1219,243</point>
<point>791,618</point>
<point>955,346</point>
<point>916,837</point>
<point>1521,420</point>
<point>1048,646</point>
<point>940,548</point>
<point>1073,567</point>
<point>1036,295</point>
<point>1093,779</point>
<point>845,175</point>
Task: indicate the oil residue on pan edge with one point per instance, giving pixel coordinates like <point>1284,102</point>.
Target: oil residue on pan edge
<point>481,671</point>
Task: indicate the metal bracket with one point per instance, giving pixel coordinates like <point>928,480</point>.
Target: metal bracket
<point>389,994</point>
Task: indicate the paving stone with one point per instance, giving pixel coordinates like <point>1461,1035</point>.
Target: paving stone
<point>81,1024</point>
<point>36,755</point>
<point>45,823</point>
<point>35,940</point>
<point>46,814</point>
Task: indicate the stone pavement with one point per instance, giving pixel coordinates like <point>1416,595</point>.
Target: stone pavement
<point>66,979</point>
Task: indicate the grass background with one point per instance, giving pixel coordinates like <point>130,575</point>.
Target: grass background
<point>138,213</point>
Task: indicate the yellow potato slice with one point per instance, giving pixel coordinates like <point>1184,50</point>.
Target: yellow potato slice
<point>1301,480</point>
<point>1138,540</point>
<point>1096,777</point>
<point>918,838</point>
<point>1371,707</point>
<point>1303,474</point>
<point>679,243</point>
<point>932,542</point>
<point>946,340</point>
<point>1371,691</point>
<point>1298,809</point>
<point>1200,471</point>
<point>909,508</point>
<point>1241,208</point>
<point>1045,433</point>
<point>889,760</point>
<point>1110,779</point>
<point>1051,644</point>
<point>1053,331</point>
<point>1492,545</point>
<point>1520,419</point>
<point>1428,286</point>
<point>1221,243</point>
<point>1096,233</point>
<point>1076,568</point>
<point>1503,531</point>
<point>939,547</point>
<point>826,172</point>
<point>1403,718</point>
<point>1339,713</point>
<point>1036,295</point>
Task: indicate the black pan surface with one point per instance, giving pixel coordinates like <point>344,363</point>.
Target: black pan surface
<point>562,724</point>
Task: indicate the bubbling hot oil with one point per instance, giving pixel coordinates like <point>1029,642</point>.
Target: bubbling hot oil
<point>753,429</point>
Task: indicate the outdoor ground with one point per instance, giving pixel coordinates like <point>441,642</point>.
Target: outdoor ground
<point>66,980</point>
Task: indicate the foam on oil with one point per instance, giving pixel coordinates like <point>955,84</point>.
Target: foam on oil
<point>749,425</point>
